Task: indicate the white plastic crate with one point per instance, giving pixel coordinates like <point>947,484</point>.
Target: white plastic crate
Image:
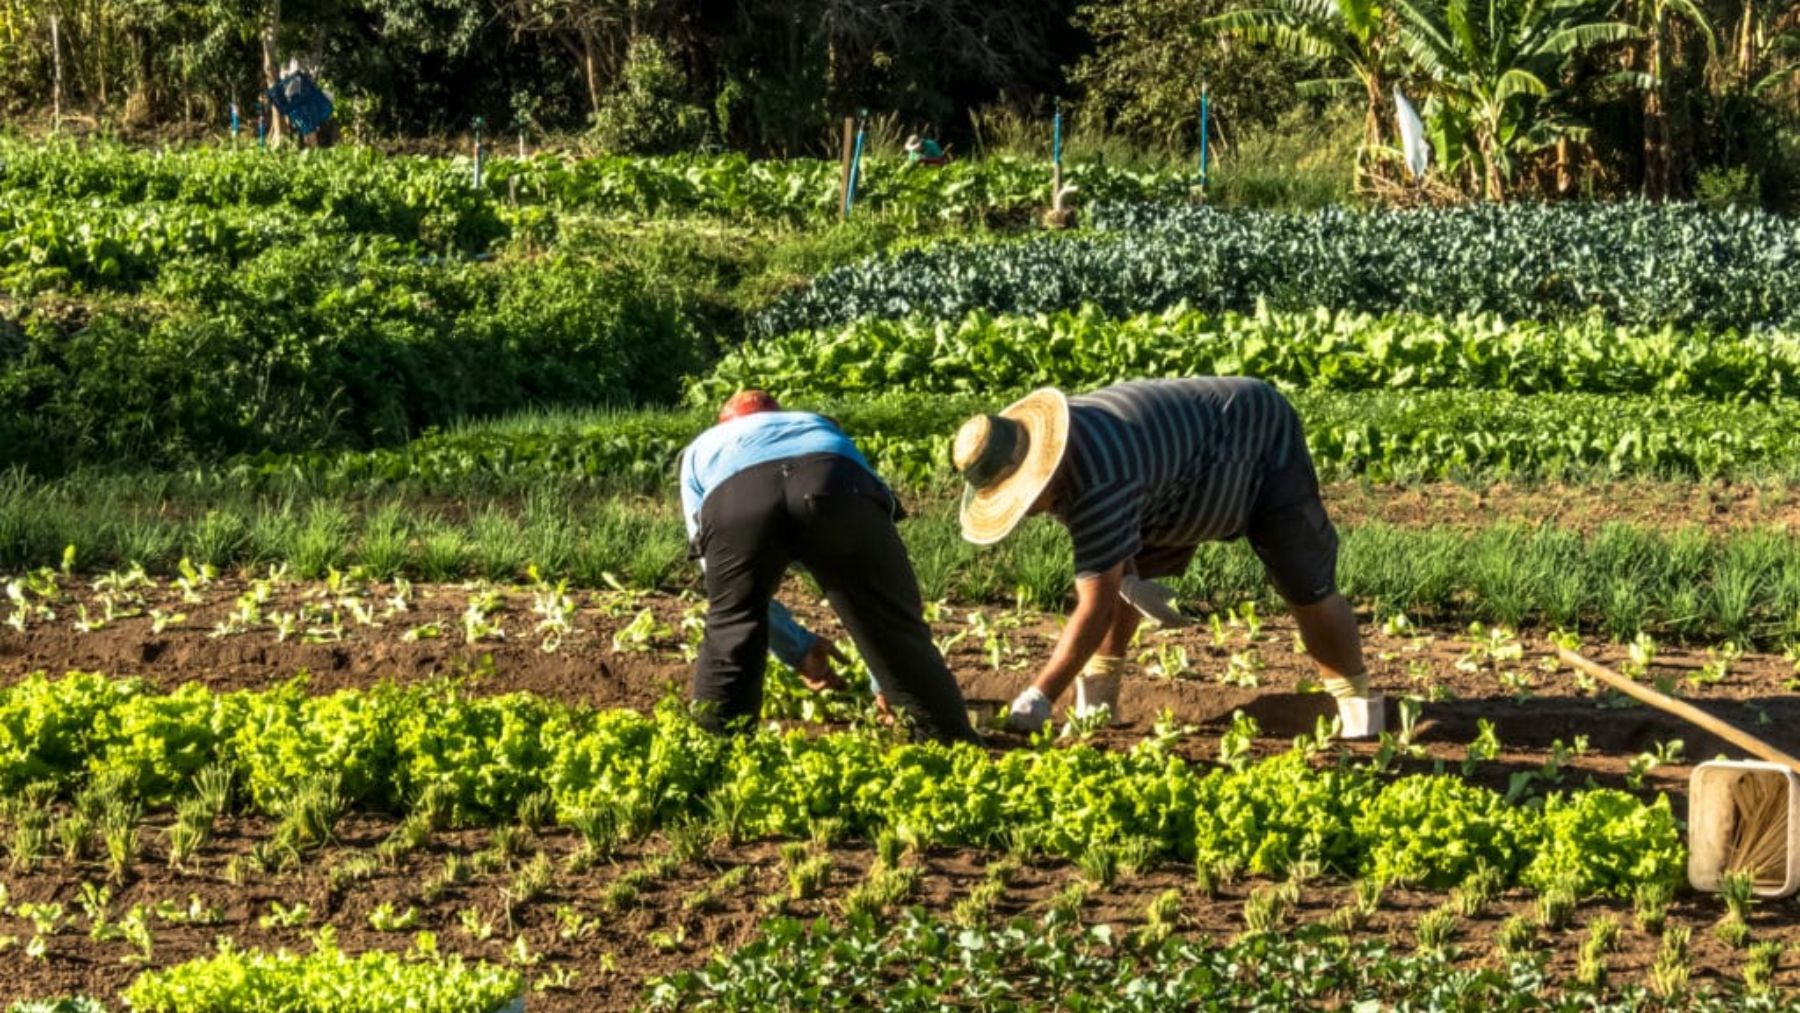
<point>1711,815</point>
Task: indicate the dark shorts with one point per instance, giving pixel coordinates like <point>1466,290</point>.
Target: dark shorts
<point>1288,530</point>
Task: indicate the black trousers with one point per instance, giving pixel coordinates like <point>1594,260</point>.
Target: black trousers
<point>830,515</point>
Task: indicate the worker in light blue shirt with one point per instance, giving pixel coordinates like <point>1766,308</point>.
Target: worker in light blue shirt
<point>766,489</point>
<point>720,453</point>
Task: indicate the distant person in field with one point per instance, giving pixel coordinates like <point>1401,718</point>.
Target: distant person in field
<point>925,151</point>
<point>766,489</point>
<point>1141,473</point>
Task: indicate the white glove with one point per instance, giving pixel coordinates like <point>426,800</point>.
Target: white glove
<point>1152,600</point>
<point>1030,711</point>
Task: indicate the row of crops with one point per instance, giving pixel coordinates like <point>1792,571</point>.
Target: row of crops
<point>463,760</point>
<point>360,185</point>
<point>1652,265</point>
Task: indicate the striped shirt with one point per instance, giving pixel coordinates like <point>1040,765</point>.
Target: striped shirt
<point>1168,463</point>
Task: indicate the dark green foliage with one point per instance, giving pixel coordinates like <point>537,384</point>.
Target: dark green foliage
<point>307,347</point>
<point>914,961</point>
<point>1634,263</point>
<point>650,113</point>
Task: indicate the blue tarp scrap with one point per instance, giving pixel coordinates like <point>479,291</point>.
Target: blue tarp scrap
<point>298,98</point>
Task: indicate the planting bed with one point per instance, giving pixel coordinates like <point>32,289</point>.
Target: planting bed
<point>589,942</point>
<point>630,649</point>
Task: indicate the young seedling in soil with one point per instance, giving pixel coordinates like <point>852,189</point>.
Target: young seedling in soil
<point>533,880</point>
<point>353,869</point>
<point>191,831</point>
<point>808,877</point>
<point>572,925</point>
<point>135,930</point>
<point>1211,876</point>
<point>120,834</point>
<point>1476,891</point>
<point>1435,929</point>
<point>1001,871</point>
<point>1602,938</point>
<point>1555,905</point>
<point>1516,936</point>
<point>884,888</point>
<point>1265,909</point>
<point>30,838</point>
<point>385,919</point>
<point>281,916</point>
<point>1760,965</point>
<point>537,811</point>
<point>709,896</point>
<point>1669,974</point>
<point>1138,856</point>
<point>887,848</point>
<point>1100,865</point>
<point>1738,889</point>
<point>1161,917</point>
<point>827,831</point>
<point>1065,905</point>
<point>74,836</point>
<point>726,811</point>
<point>475,925</point>
<point>974,910</point>
<point>1650,905</point>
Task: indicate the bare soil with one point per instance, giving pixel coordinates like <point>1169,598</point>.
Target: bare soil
<point>1544,721</point>
<point>1586,507</point>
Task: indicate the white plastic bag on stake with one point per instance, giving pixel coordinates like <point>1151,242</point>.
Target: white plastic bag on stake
<point>1412,135</point>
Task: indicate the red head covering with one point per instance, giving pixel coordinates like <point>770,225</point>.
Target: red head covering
<point>748,402</point>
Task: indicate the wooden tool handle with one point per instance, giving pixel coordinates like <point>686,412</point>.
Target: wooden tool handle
<point>1681,709</point>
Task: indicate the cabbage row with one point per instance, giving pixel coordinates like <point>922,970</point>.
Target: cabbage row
<point>1312,349</point>
<point>914,962</point>
<point>480,757</point>
<point>1650,265</point>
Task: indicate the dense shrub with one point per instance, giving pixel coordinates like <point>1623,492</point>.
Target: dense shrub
<point>302,348</point>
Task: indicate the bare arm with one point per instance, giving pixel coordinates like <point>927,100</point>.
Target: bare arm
<point>1096,598</point>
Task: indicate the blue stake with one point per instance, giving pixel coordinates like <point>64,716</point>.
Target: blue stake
<point>234,122</point>
<point>1203,111</point>
<point>262,122</point>
<point>855,162</point>
<point>1056,135</point>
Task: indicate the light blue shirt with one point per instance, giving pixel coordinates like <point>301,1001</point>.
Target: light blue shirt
<point>744,442</point>
<point>750,440</point>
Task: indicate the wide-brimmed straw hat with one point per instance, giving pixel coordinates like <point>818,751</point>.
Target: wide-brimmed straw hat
<point>1008,461</point>
<point>913,143</point>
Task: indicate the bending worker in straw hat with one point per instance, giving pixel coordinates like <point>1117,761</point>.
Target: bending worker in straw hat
<point>765,489</point>
<point>1141,473</point>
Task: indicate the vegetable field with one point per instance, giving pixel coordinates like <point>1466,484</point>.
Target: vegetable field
<point>346,613</point>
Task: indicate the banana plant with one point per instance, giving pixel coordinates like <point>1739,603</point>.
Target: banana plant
<point>1351,39</point>
<point>1492,69</point>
